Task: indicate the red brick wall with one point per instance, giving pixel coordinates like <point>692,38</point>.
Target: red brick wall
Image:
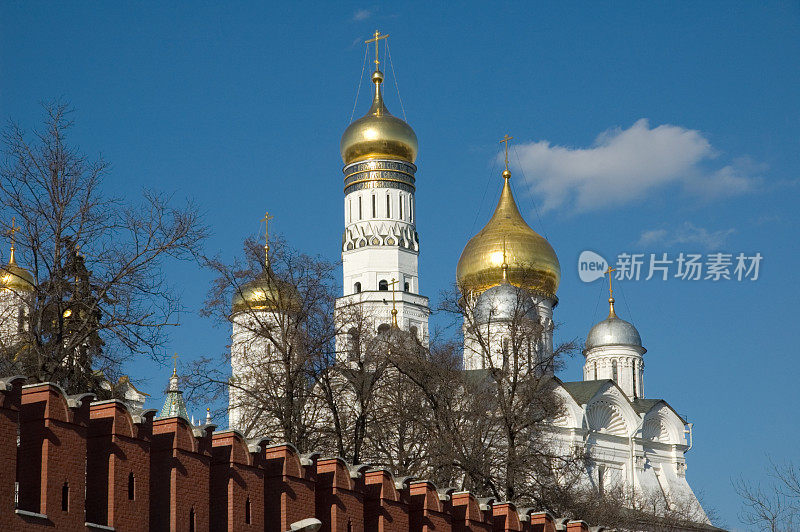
<point>179,469</point>
<point>9,418</point>
<point>385,507</point>
<point>236,484</point>
<point>118,447</point>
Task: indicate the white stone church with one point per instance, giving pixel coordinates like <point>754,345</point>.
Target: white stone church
<point>634,441</point>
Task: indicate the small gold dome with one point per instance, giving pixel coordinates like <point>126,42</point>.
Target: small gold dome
<point>267,292</point>
<point>378,134</point>
<point>15,278</point>
<point>532,263</point>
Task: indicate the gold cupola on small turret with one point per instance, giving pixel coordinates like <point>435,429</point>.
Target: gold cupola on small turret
<point>267,291</point>
<point>378,134</point>
<point>531,262</point>
<point>14,277</point>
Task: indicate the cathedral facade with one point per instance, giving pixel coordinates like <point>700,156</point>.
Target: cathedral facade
<point>506,271</point>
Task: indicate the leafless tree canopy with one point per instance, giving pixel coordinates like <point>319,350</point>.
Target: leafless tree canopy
<point>100,295</point>
<point>773,506</point>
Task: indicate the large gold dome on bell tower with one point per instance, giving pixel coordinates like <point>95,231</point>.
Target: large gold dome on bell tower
<point>378,134</point>
<point>506,239</point>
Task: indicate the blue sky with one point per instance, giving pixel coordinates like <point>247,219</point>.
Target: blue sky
<point>640,127</point>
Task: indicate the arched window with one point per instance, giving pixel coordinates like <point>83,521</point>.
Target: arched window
<point>633,378</point>
<point>357,287</point>
<point>374,207</point>
<point>595,371</point>
<point>191,520</point>
<point>247,511</point>
<point>349,210</point>
<point>411,210</point>
<point>401,206</point>
<point>405,286</point>
<point>413,330</point>
<point>21,319</point>
<point>383,285</point>
<point>65,497</point>
<point>359,207</point>
<point>131,487</point>
<point>614,371</point>
<point>388,206</point>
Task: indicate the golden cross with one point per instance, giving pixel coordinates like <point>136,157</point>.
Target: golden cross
<point>394,310</point>
<point>375,39</point>
<point>266,220</point>
<point>506,139</point>
<point>610,287</point>
<point>175,364</point>
<point>14,229</point>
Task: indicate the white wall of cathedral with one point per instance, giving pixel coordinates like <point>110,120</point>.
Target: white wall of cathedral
<point>641,452</point>
<point>622,363</point>
<point>14,309</point>
<point>487,347</point>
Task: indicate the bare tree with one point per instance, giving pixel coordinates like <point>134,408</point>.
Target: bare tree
<point>280,307</point>
<point>775,506</point>
<point>98,294</point>
<point>491,421</point>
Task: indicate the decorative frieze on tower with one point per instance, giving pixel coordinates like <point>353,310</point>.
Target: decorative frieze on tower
<point>380,244</point>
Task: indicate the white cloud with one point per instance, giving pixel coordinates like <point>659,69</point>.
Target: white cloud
<point>687,234</point>
<point>362,14</point>
<point>625,165</point>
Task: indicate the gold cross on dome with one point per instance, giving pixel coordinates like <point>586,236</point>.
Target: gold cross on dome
<point>394,309</point>
<point>506,139</point>
<point>13,230</point>
<point>175,364</point>
<point>375,39</point>
<point>610,286</point>
<point>266,220</point>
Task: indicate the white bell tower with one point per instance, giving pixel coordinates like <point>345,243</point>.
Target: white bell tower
<point>380,244</point>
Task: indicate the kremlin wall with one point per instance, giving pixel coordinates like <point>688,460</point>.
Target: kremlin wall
<point>71,463</point>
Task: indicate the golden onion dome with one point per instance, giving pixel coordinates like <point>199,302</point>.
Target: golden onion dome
<point>378,134</point>
<point>267,292</point>
<point>532,264</point>
<point>15,278</point>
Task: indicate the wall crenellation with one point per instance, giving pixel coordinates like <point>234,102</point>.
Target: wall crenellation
<point>80,464</point>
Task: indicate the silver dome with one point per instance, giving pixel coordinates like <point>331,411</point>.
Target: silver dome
<point>613,331</point>
<point>501,302</point>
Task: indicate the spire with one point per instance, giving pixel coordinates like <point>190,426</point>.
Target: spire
<point>393,284</point>
<point>266,220</point>
<point>611,313</point>
<point>174,405</point>
<point>506,139</point>
<point>12,236</point>
<point>377,76</point>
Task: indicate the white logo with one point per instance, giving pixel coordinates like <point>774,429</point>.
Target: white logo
<point>591,266</point>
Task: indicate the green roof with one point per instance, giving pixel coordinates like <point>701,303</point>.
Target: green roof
<point>174,405</point>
